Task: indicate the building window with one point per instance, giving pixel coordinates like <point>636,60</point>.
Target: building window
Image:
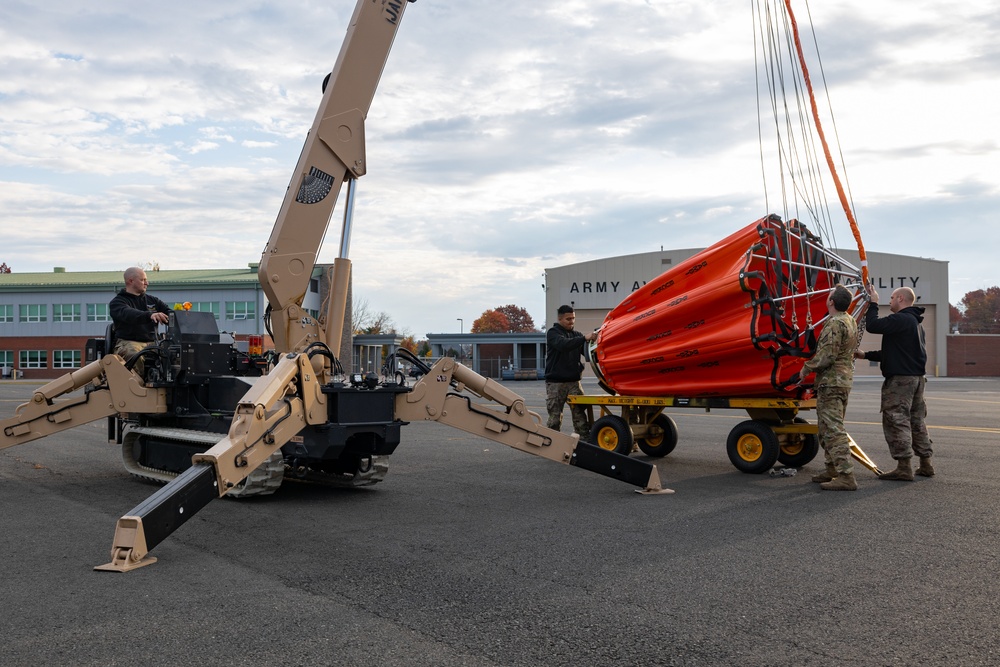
<point>32,312</point>
<point>313,313</point>
<point>241,310</point>
<point>65,312</point>
<point>66,358</point>
<point>6,358</point>
<point>98,312</point>
<point>6,313</point>
<point>34,359</point>
<point>206,307</point>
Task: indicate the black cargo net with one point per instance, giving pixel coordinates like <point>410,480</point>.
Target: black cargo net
<point>790,274</point>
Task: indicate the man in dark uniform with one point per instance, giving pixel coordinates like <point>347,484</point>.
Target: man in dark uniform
<point>903,360</point>
<point>135,315</point>
<point>563,369</point>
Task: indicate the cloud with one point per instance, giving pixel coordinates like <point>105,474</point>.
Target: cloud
<point>504,138</point>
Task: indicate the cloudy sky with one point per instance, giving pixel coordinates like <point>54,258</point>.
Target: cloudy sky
<point>505,137</point>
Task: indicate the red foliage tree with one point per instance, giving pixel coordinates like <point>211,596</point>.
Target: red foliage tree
<point>981,311</point>
<point>519,319</point>
<point>491,321</point>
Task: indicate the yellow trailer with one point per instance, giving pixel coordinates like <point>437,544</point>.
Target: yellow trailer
<point>774,432</point>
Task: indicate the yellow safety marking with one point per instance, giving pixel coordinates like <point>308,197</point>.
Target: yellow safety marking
<point>929,398</point>
<point>703,402</point>
<point>620,400</point>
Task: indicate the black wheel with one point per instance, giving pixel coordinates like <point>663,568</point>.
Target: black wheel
<point>798,449</point>
<point>612,433</point>
<point>752,447</point>
<point>664,440</point>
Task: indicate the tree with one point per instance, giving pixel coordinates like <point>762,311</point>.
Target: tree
<point>4,268</point>
<point>520,320</point>
<point>361,315</point>
<point>491,321</point>
<point>504,319</point>
<point>954,318</point>
<point>410,343</point>
<point>366,321</point>
<point>981,311</point>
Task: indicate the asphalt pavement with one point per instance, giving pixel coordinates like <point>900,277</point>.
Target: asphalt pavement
<point>473,554</point>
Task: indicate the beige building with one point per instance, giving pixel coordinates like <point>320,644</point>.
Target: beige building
<point>593,288</point>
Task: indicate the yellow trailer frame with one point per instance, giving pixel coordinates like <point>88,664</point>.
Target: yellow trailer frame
<point>774,433</point>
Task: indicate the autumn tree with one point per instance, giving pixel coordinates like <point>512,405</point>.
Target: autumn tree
<point>519,319</point>
<point>491,321</point>
<point>4,268</point>
<point>504,319</point>
<point>409,343</point>
<point>981,311</point>
<point>954,318</point>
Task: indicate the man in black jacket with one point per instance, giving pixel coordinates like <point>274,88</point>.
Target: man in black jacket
<point>135,315</point>
<point>563,369</point>
<point>903,359</point>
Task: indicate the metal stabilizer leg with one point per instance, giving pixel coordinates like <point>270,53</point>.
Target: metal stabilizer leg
<point>150,522</point>
<point>859,455</point>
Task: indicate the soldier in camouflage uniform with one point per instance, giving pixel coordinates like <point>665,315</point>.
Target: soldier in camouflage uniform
<point>563,369</point>
<point>903,360</point>
<point>833,364</point>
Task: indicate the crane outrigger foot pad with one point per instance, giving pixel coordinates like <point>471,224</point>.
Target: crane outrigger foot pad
<point>129,549</point>
<point>654,492</point>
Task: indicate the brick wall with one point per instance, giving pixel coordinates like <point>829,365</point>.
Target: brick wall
<point>47,343</point>
<point>971,355</point>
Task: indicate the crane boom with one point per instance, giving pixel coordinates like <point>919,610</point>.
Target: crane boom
<point>334,152</point>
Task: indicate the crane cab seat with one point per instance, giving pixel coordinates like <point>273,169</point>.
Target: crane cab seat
<point>110,339</point>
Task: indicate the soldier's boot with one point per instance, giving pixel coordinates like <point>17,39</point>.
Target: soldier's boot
<point>827,475</point>
<point>902,473</point>
<point>842,482</point>
<point>925,469</point>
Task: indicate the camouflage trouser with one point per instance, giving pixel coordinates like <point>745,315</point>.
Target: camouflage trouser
<point>903,412</point>
<point>831,404</point>
<point>127,348</point>
<point>555,399</point>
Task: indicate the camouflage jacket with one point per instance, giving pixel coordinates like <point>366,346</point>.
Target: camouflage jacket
<point>833,362</point>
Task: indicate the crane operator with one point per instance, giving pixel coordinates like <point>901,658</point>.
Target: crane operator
<point>135,315</point>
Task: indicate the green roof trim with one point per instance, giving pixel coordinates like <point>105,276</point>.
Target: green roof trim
<point>79,280</point>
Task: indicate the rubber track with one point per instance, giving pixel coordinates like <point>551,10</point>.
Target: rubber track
<point>263,481</point>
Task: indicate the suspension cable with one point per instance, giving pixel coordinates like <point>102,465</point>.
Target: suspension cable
<point>826,148</point>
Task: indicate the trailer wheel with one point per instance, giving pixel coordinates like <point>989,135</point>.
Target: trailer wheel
<point>662,444</point>
<point>612,433</point>
<point>799,448</point>
<point>752,447</point>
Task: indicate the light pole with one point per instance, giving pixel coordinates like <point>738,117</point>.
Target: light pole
<point>461,325</point>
